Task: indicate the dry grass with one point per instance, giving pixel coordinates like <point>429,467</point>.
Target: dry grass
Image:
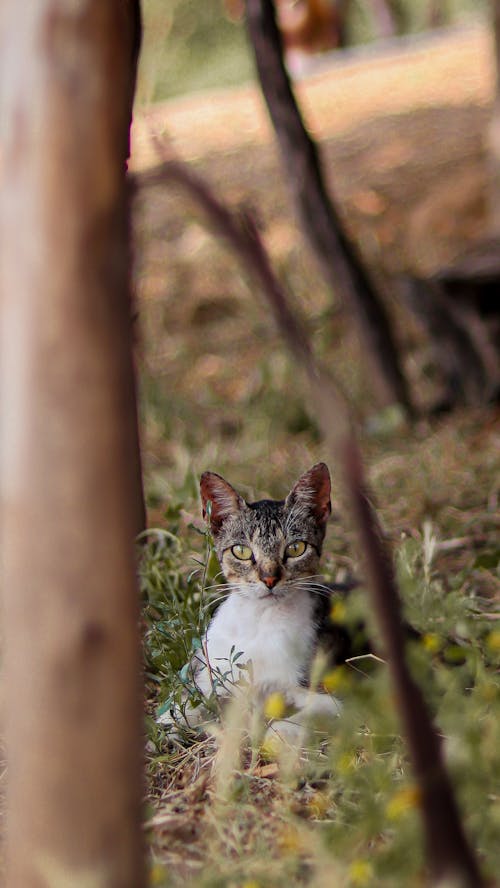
<point>218,392</point>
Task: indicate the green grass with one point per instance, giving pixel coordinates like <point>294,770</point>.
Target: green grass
<point>190,46</point>
<point>351,808</point>
<point>218,392</point>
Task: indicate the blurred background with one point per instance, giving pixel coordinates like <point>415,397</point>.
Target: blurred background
<point>399,99</point>
<point>401,125</point>
<point>191,46</point>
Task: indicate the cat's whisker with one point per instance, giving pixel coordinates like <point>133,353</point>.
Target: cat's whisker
<point>314,577</point>
<point>232,587</point>
<point>263,627</point>
<point>315,588</point>
<point>214,601</point>
<point>312,581</point>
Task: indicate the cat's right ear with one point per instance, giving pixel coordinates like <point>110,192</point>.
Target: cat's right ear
<point>224,500</point>
<point>312,491</point>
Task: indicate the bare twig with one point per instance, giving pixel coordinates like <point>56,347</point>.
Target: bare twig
<point>466,542</point>
<point>338,257</point>
<point>242,234</point>
<point>448,851</point>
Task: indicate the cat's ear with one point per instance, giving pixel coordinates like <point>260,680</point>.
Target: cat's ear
<point>224,500</point>
<point>312,491</point>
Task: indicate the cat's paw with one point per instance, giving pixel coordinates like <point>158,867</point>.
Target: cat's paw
<point>184,724</point>
<point>313,721</point>
<point>316,709</point>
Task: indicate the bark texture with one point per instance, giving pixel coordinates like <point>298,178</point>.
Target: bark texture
<point>69,472</point>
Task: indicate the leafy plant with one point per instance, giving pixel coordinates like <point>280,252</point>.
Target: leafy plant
<point>352,803</point>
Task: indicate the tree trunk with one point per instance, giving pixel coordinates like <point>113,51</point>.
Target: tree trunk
<point>68,448</point>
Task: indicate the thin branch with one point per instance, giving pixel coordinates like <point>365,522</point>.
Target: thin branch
<point>342,266</point>
<point>448,851</point>
<point>241,232</point>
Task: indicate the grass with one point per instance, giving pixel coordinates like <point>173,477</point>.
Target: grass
<point>349,809</point>
<point>218,392</point>
<point>228,399</point>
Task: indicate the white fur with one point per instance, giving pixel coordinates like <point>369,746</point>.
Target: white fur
<point>275,632</point>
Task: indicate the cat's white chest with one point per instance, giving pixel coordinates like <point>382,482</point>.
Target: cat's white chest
<point>276,635</point>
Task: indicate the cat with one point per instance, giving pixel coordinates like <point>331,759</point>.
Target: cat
<point>266,631</point>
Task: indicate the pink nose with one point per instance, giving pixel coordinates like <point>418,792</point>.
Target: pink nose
<point>270,581</point>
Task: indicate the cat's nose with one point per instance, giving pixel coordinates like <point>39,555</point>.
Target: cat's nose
<point>270,581</point>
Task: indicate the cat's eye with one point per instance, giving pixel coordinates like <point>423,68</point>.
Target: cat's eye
<point>293,550</point>
<point>243,553</point>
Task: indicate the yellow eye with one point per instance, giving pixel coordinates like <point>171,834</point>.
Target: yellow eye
<point>244,553</point>
<point>293,550</point>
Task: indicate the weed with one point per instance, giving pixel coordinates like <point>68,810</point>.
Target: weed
<point>353,801</point>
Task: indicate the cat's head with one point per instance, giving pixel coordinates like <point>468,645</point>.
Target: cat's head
<point>271,544</point>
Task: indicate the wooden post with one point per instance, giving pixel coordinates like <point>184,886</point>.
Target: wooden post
<point>68,441</point>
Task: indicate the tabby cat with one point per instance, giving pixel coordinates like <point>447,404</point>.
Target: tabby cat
<point>269,552</point>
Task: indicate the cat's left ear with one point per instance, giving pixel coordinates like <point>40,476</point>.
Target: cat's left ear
<point>224,500</point>
<point>313,490</point>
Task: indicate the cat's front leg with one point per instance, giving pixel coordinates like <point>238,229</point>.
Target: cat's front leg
<point>314,706</point>
<point>187,716</point>
<point>181,720</point>
<point>314,713</point>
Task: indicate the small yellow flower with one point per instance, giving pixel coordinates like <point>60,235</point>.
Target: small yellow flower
<point>275,706</point>
<point>360,872</point>
<point>403,800</point>
<point>251,883</point>
<point>431,642</point>
<point>337,680</point>
<point>290,839</point>
<point>318,805</point>
<point>271,748</point>
<point>157,874</point>
<point>493,641</point>
<point>338,612</point>
<point>346,763</point>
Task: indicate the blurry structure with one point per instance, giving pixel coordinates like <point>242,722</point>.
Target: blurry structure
<point>312,25</point>
<point>457,304</point>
